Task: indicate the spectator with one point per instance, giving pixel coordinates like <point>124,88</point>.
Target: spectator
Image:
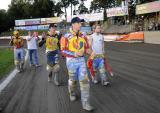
<point>32,48</point>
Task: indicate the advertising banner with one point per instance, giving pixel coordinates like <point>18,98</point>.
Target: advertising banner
<point>38,21</point>
<point>31,28</point>
<point>117,11</point>
<point>88,17</point>
<point>19,22</point>
<point>43,27</point>
<point>32,21</point>
<point>148,8</point>
<point>86,29</point>
<point>26,28</point>
<point>39,27</point>
<point>53,20</point>
<point>27,22</point>
<point>43,21</point>
<point>20,28</point>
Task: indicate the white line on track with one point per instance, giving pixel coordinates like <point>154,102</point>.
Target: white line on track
<point>11,75</point>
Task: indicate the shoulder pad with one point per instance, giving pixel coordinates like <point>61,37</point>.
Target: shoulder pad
<point>58,32</point>
<point>67,35</point>
<point>83,35</point>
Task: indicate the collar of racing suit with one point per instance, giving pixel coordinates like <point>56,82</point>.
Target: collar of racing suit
<point>76,34</point>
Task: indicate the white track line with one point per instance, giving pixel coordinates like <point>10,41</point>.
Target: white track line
<point>11,75</point>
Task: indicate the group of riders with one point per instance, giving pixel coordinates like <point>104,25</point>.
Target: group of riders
<point>75,46</point>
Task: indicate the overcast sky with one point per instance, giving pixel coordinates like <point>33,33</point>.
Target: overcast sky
<point>4,4</point>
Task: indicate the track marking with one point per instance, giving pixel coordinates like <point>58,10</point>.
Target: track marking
<point>11,75</point>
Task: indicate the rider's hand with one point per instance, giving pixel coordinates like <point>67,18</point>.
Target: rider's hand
<point>89,51</point>
<point>92,55</point>
<point>80,53</point>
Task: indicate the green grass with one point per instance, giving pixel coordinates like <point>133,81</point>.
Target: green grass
<point>6,61</point>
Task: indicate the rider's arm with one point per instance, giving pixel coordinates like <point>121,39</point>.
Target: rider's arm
<point>28,38</point>
<point>22,42</point>
<point>88,43</point>
<point>11,41</point>
<point>43,41</point>
<point>103,46</point>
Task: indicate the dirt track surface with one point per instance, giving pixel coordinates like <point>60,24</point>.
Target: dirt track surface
<point>135,88</point>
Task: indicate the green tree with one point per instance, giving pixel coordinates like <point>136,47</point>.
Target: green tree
<point>74,3</point>
<point>132,9</point>
<point>82,9</point>
<point>43,8</point>
<point>3,20</point>
<point>105,3</point>
<point>65,5</point>
<point>58,9</point>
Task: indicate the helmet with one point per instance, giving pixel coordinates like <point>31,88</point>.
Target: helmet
<point>16,33</point>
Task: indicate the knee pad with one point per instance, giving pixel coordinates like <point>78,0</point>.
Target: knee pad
<point>85,81</point>
<point>102,70</point>
<point>22,61</point>
<point>16,62</point>
<point>56,68</point>
<point>84,85</point>
<point>49,68</point>
<point>72,82</point>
